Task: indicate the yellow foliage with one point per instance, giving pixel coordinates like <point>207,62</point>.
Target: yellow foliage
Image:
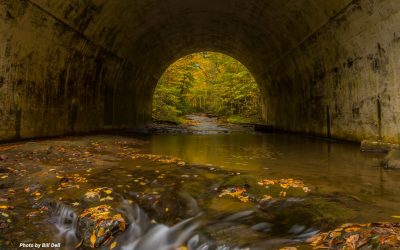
<point>239,193</point>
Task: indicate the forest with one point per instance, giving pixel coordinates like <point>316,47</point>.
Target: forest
<point>207,82</point>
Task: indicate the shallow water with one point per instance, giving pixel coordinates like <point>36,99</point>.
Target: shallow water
<point>346,186</point>
<point>326,166</point>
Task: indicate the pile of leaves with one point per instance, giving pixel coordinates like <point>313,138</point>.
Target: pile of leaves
<point>100,225</point>
<point>285,184</point>
<point>355,236</point>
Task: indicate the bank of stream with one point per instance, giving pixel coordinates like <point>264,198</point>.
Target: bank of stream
<point>200,186</point>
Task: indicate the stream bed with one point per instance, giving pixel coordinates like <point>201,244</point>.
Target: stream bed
<point>230,188</point>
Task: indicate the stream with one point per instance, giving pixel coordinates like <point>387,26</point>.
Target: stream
<point>205,185</point>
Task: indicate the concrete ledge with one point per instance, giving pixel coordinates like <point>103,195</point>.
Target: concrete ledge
<point>378,146</point>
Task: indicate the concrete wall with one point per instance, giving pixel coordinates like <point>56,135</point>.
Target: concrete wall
<point>53,79</point>
<point>349,68</point>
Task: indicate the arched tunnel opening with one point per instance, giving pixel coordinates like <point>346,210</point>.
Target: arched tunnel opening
<point>208,84</point>
<point>83,164</point>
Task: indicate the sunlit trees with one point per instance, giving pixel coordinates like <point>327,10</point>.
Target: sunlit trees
<point>207,82</point>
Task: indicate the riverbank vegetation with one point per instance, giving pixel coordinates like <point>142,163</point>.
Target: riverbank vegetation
<point>211,83</point>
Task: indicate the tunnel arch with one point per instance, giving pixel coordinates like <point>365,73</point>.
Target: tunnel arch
<point>77,66</point>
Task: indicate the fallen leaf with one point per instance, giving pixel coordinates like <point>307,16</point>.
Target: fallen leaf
<point>93,240</point>
<point>108,191</point>
<point>100,232</point>
<point>79,244</point>
<point>75,204</point>
<point>113,245</point>
<point>352,241</point>
<point>352,229</point>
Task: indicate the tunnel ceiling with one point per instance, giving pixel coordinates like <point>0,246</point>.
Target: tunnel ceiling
<point>152,34</point>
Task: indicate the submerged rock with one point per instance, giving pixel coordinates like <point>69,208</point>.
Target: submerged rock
<point>392,160</point>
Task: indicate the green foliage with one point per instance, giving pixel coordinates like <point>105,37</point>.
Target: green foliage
<point>207,82</point>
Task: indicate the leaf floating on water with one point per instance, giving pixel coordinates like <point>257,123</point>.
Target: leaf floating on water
<point>75,204</point>
<point>108,198</point>
<point>6,207</point>
<point>396,216</point>
<point>108,191</point>
<point>266,198</point>
<point>91,194</point>
<point>113,245</point>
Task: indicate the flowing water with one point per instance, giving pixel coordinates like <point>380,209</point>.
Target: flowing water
<point>170,189</point>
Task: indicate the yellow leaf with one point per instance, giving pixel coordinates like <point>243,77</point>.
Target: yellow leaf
<point>3,207</point>
<point>5,215</point>
<point>352,229</point>
<point>396,216</point>
<point>107,191</point>
<point>113,245</point>
<point>182,248</point>
<point>100,232</point>
<point>93,240</point>
<point>79,244</point>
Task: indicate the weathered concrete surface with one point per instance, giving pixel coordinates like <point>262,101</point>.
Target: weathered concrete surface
<point>343,80</point>
<point>87,65</point>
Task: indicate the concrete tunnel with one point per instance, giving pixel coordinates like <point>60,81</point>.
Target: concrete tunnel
<point>325,67</point>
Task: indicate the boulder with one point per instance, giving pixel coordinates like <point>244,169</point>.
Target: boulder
<point>97,226</point>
